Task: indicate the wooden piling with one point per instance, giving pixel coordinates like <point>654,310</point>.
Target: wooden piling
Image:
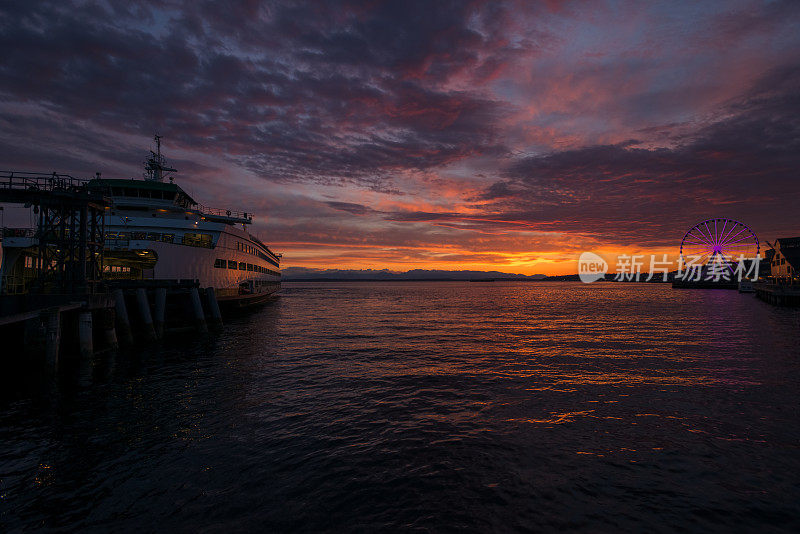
<point>85,333</point>
<point>144,313</point>
<point>215,316</point>
<point>122,317</point>
<point>197,310</point>
<point>160,310</point>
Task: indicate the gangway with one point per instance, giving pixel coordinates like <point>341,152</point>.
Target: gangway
<point>69,234</point>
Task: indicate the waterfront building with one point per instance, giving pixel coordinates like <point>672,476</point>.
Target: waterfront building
<point>785,264</point>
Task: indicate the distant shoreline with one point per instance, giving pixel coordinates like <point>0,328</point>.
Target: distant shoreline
<point>433,280</point>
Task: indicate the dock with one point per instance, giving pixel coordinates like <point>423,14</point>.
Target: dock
<point>778,294</point>
<point>67,306</point>
<point>704,284</point>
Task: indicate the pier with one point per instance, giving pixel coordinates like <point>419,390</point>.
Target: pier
<point>62,305</point>
<point>778,294</point>
<point>704,284</point>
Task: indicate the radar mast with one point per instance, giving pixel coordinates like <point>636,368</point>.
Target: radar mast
<point>156,166</point>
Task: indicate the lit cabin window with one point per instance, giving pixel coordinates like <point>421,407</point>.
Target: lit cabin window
<point>197,240</point>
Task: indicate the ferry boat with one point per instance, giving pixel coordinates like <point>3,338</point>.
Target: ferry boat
<point>155,230</point>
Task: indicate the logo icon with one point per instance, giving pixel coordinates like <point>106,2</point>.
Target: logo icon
<point>591,267</point>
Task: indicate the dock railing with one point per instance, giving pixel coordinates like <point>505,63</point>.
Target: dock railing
<point>27,181</point>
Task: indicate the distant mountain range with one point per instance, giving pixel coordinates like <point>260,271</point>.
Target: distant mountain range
<point>301,273</point>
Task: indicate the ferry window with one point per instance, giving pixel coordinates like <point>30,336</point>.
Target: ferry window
<point>153,236</point>
<point>167,238</point>
<point>197,240</point>
<point>138,235</point>
<point>242,266</point>
<point>249,266</point>
<point>231,264</point>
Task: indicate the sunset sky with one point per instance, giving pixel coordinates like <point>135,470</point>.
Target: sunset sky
<point>505,136</point>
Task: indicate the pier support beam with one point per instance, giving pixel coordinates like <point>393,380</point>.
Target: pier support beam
<point>52,324</point>
<point>122,317</point>
<point>106,320</point>
<point>197,310</point>
<point>160,310</point>
<point>35,336</point>
<point>144,312</point>
<point>215,317</point>
<point>85,333</point>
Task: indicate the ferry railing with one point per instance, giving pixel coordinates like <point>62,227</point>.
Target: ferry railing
<point>117,243</point>
<point>277,257</point>
<point>219,212</point>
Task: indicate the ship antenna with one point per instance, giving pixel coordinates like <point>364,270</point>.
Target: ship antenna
<point>155,166</point>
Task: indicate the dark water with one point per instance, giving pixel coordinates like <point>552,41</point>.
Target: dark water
<point>427,406</point>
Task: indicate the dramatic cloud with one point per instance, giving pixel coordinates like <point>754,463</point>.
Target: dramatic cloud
<point>506,135</point>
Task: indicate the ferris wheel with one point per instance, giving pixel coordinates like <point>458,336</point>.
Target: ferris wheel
<point>718,240</point>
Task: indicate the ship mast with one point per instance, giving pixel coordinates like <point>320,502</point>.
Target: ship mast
<point>156,165</point>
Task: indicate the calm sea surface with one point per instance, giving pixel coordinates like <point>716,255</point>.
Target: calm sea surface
<point>426,407</point>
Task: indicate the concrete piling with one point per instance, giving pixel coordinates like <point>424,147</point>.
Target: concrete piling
<point>215,316</point>
<point>85,334</point>
<point>51,318</point>
<point>160,310</point>
<point>144,312</point>
<point>122,317</point>
<point>101,322</point>
<point>197,310</point>
<point>35,336</point>
<point>106,320</point>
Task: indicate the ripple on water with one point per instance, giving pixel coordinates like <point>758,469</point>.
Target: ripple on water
<point>429,406</point>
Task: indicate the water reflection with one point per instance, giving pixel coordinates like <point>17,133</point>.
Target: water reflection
<point>433,406</point>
